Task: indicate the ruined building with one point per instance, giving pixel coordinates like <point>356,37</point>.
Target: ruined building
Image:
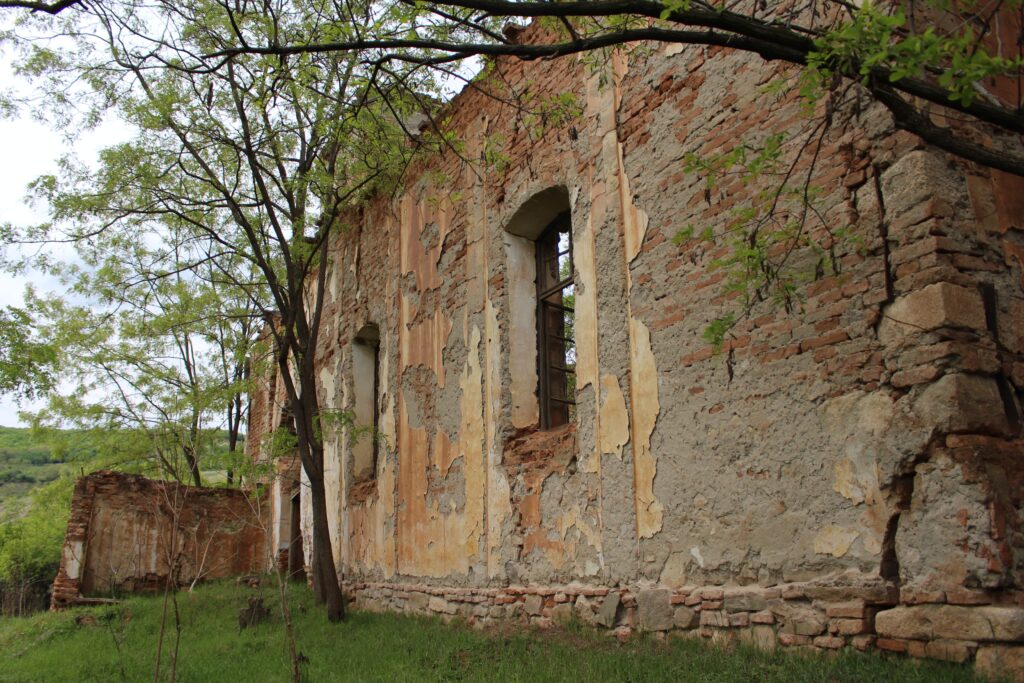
<point>560,438</point>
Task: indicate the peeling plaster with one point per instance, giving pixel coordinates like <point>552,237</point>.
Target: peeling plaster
<point>644,395</point>
<point>586,305</point>
<point>634,219</point>
<point>423,344</point>
<point>73,552</point>
<point>614,420</point>
<point>371,541</point>
<point>499,494</point>
<point>444,452</point>
<point>428,538</point>
<point>835,540</point>
<point>414,258</point>
<point>471,438</point>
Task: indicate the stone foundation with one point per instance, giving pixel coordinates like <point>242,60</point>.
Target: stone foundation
<point>872,615</point>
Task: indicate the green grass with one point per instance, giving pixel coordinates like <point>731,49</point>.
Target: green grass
<point>387,647</point>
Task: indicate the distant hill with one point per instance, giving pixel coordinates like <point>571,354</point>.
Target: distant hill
<point>28,460</point>
<point>24,463</point>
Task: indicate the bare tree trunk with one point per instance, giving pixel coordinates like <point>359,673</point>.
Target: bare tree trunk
<point>323,558</point>
<point>306,410</point>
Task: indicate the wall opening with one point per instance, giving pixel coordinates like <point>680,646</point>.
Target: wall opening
<point>366,409</point>
<point>296,556</point>
<point>539,273</point>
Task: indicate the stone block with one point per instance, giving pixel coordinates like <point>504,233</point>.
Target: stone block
<point>963,403</point>
<point>847,627</point>
<point>957,651</point>
<point>954,622</point>
<point>417,602</point>
<point>964,596</point>
<point>716,618</point>
<point>745,603</point>
<point>584,609</point>
<point>891,644</point>
<point>862,643</point>
<point>846,610</point>
<point>803,627</point>
<point>654,610</point>
<point>916,178</point>
<point>829,642</point>
<point>1001,662</point>
<point>791,639</point>
<point>739,619</point>
<point>533,605</point>
<point>562,613</point>
<point>440,605</point>
<point>685,618</point>
<point>761,637</point>
<point>942,304</point>
<point>608,611</point>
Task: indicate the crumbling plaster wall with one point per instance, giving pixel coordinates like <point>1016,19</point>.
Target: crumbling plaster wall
<point>872,434</point>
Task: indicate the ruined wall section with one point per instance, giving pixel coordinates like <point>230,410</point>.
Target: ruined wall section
<point>800,449</point>
<point>854,457</point>
<point>791,454</point>
<point>127,533</point>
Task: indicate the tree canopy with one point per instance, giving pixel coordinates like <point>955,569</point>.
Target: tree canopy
<point>241,173</point>
<point>961,62</point>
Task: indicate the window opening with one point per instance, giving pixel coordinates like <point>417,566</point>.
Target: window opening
<point>556,328</point>
<point>366,380</point>
<point>296,556</point>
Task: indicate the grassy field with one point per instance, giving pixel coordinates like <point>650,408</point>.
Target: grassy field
<point>98,644</point>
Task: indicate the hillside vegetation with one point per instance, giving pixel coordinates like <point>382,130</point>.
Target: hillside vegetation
<point>120,643</point>
<point>25,463</point>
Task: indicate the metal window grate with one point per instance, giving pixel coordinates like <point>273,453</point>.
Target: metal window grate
<point>556,324</point>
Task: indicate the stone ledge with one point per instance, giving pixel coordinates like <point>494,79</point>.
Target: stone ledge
<point>930,622</point>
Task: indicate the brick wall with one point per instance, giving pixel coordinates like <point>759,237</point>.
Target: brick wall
<point>127,533</point>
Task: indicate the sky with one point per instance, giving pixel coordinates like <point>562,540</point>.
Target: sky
<point>30,149</point>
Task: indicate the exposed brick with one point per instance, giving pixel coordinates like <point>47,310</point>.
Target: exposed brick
<point>850,610</point>
<point>790,639</point>
<point>891,644</point>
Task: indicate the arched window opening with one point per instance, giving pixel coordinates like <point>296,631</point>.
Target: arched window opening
<point>556,329</point>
